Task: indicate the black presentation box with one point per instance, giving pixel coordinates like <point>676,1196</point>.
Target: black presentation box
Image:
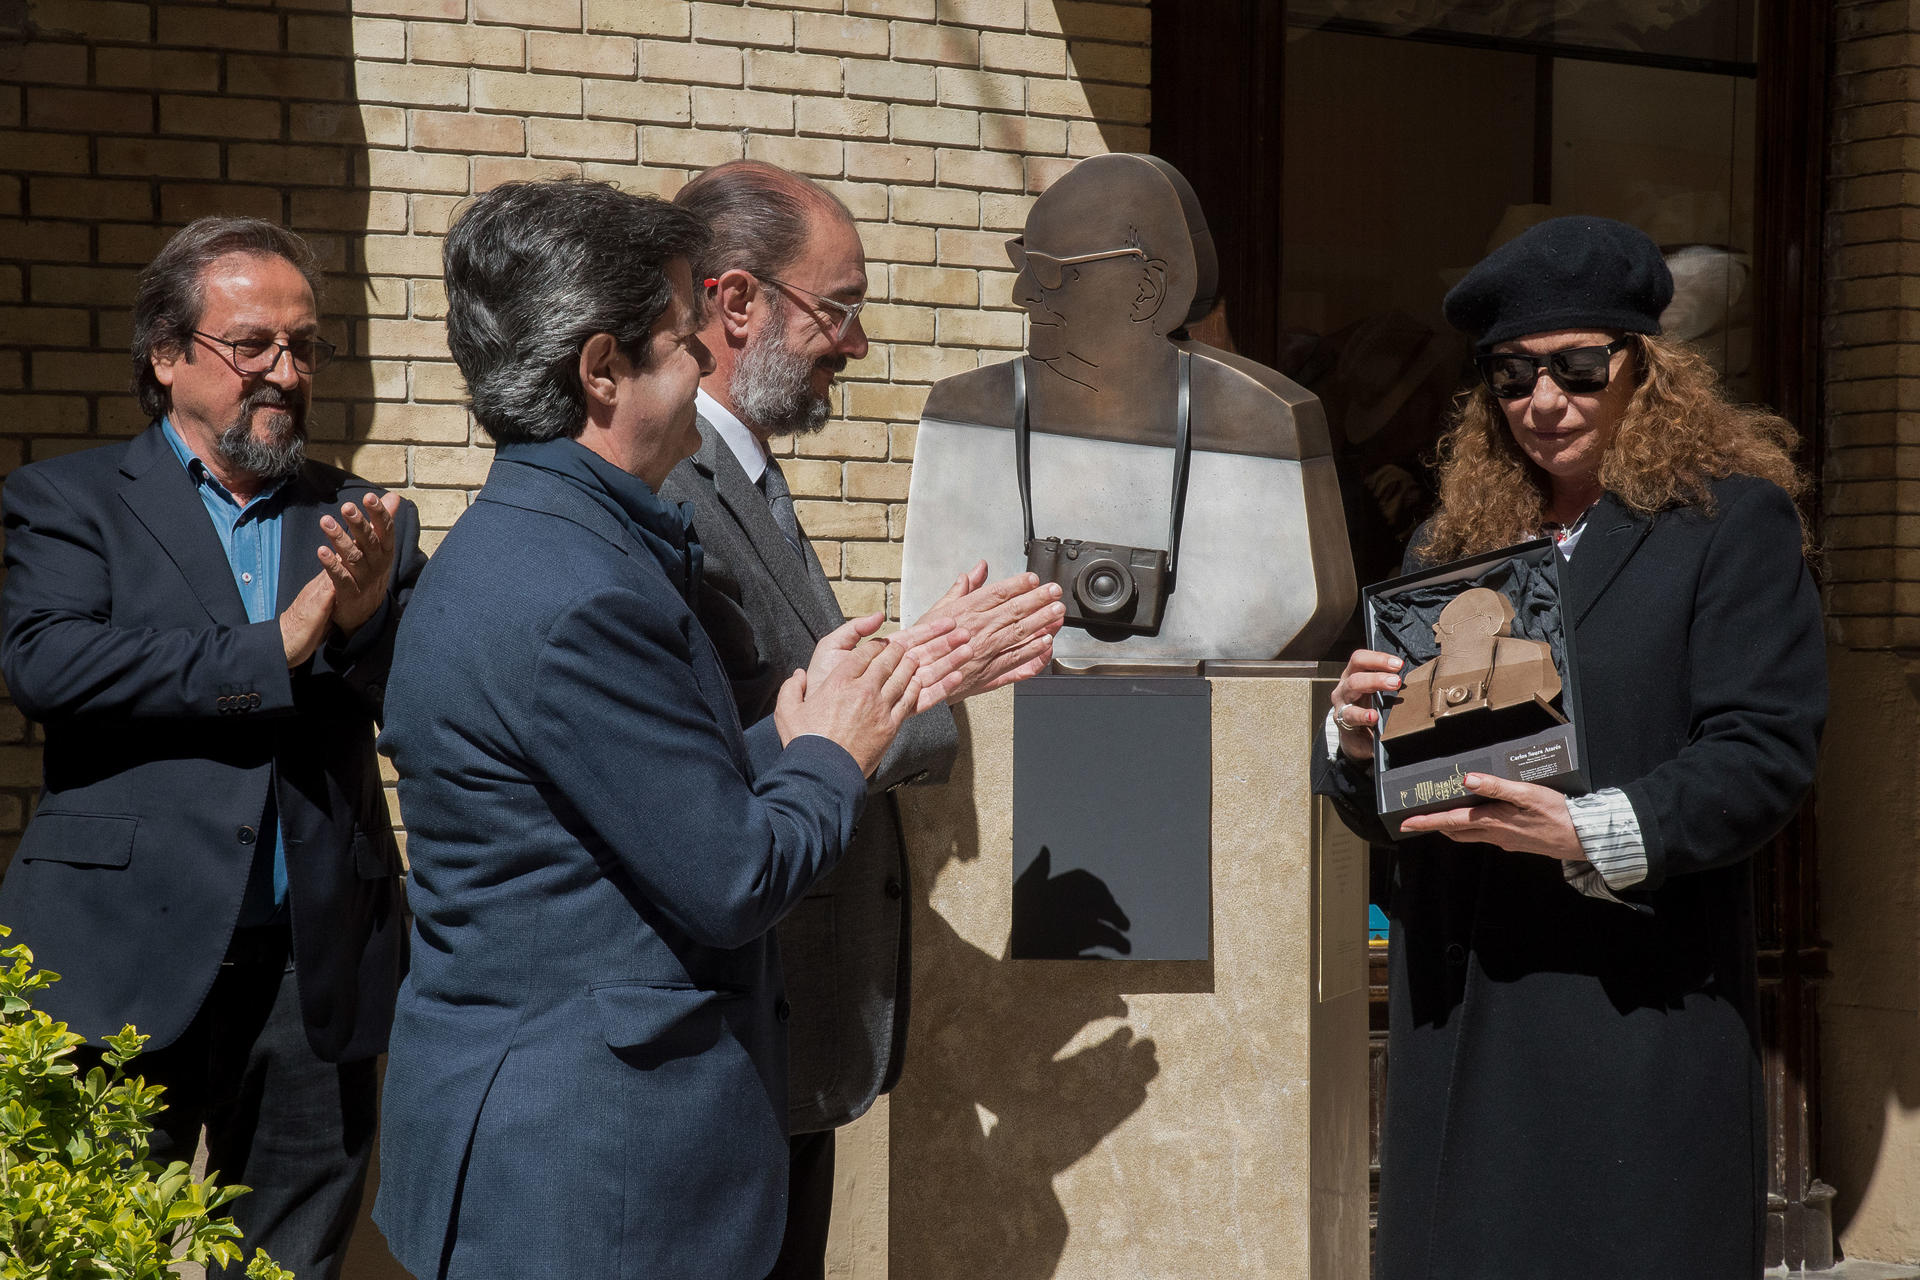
<point>1426,772</point>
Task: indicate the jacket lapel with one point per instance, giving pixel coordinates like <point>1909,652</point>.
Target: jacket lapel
<point>746,502</point>
<point>162,498</point>
<point>300,536</point>
<point>1612,535</point>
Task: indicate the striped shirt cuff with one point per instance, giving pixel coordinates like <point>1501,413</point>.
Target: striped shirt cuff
<point>1609,834</point>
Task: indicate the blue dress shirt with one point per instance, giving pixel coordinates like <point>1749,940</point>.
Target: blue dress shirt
<point>250,533</point>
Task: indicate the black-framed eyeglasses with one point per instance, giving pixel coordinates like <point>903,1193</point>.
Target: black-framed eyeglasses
<point>1048,271</point>
<point>255,356</point>
<point>1578,371</point>
<point>847,311</point>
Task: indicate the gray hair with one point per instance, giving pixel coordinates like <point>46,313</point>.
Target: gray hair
<point>172,292</point>
<point>535,269</point>
<point>759,213</point>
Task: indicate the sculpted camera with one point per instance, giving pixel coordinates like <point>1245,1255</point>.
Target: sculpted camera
<point>1121,590</point>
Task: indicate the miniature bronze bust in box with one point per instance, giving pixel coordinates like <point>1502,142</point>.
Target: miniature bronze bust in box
<point>1488,684</point>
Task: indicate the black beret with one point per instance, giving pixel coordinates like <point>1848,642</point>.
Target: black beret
<point>1564,273</point>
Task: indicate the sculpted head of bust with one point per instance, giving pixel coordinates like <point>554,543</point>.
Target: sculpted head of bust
<point>1106,269</point>
<point>1479,613</point>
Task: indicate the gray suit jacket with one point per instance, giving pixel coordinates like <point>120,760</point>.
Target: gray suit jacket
<point>844,948</point>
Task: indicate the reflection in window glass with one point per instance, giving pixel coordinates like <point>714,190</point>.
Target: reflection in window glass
<point>1698,30</point>
<point>1408,159</point>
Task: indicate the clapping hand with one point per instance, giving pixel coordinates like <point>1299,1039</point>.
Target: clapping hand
<point>304,623</point>
<point>858,690</point>
<point>360,558</point>
<point>937,646</point>
<point>1010,625</point>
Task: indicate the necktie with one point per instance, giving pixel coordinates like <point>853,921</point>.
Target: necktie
<point>781,500</point>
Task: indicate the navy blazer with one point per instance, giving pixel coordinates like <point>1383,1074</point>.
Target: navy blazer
<point>168,715</point>
<point>588,1072</point>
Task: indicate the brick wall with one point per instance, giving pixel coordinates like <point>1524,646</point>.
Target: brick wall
<point>1872,476</point>
<point>365,124</point>
<point>1868,794</point>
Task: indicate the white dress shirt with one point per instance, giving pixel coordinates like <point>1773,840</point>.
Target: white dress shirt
<point>746,446</point>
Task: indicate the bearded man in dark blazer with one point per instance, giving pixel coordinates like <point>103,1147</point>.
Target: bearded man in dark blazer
<point>786,279</point>
<point>201,618</point>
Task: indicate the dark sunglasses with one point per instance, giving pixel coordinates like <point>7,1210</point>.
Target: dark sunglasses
<point>1578,371</point>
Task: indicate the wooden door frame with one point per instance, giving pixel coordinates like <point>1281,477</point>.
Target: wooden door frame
<point>1791,123</point>
<point>1218,116</point>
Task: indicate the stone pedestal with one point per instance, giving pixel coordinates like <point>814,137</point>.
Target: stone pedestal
<point>1102,1118</point>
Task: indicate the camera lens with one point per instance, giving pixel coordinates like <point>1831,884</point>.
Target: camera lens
<point>1103,586</point>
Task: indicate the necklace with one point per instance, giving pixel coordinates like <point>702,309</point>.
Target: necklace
<point>1561,532</point>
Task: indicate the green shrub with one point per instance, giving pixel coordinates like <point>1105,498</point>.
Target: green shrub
<point>79,1199</point>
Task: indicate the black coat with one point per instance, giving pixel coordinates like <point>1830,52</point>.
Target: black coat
<point>1574,1085</point>
<point>167,716</point>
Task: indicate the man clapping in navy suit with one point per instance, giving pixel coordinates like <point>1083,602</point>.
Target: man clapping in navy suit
<point>588,1072</point>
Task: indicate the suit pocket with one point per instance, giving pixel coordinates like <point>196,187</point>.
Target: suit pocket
<point>647,1023</point>
<point>82,839</point>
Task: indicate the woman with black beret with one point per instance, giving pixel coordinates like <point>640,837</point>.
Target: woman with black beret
<point>1574,1084</point>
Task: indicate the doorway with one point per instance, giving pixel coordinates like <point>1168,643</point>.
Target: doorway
<point>1355,157</point>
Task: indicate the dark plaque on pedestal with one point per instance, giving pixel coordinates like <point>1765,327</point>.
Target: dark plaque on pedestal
<point>1112,805</point>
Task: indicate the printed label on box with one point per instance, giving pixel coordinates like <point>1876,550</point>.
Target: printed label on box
<point>1544,760</point>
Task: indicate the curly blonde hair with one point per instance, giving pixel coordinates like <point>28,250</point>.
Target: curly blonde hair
<point>1678,435</point>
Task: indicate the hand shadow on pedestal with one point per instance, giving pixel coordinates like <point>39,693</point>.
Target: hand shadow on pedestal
<point>1065,916</point>
<point>993,1105</point>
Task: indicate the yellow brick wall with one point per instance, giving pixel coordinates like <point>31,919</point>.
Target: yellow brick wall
<point>1868,793</point>
<point>1872,328</point>
<point>364,124</point>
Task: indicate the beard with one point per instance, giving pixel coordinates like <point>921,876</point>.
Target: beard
<point>772,384</point>
<point>280,454</point>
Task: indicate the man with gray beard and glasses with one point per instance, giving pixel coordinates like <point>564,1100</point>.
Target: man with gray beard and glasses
<point>785,282</point>
<point>202,618</point>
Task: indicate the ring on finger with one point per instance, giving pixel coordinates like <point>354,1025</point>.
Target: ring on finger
<point>1340,718</point>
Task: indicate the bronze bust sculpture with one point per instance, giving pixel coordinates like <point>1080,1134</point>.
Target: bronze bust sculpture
<point>1113,264</point>
<point>1480,668</point>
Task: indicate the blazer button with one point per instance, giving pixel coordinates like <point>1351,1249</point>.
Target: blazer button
<point>895,889</point>
<point>253,700</point>
<point>245,835</point>
<point>223,702</point>
<point>1456,954</point>
<point>782,1010</point>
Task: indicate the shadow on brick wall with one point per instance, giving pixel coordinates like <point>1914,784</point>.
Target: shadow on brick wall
<point>120,122</point>
<point>1106,91</point>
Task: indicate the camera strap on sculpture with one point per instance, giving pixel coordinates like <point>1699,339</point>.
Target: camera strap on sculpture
<point>1182,455</point>
<point>1020,444</point>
